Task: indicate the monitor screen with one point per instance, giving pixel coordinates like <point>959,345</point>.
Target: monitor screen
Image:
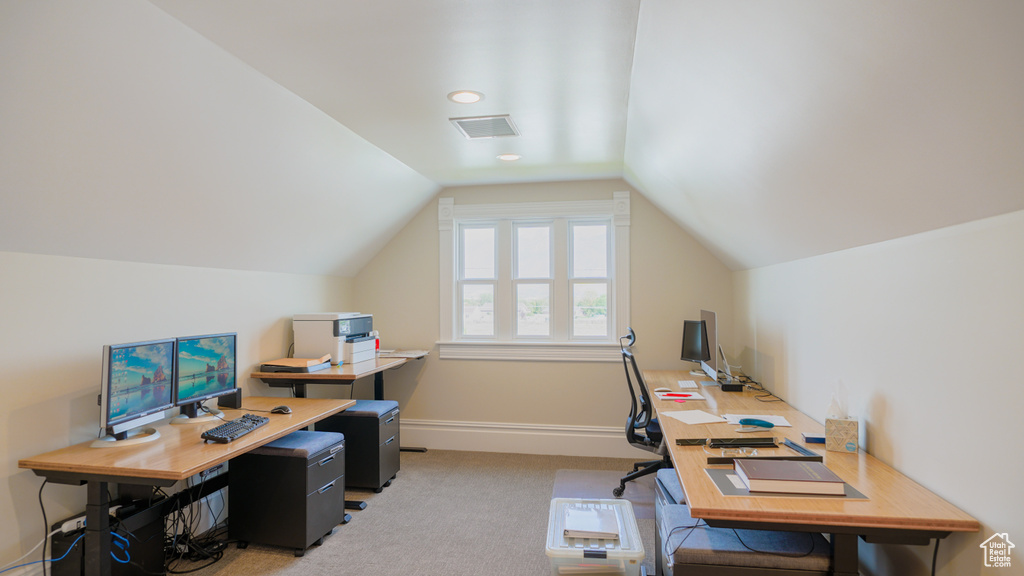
<point>137,386</point>
<point>205,369</point>
<point>710,365</point>
<point>695,341</point>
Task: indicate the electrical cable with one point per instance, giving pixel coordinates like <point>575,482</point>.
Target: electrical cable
<point>935,555</point>
<point>45,523</point>
<point>29,553</point>
<point>44,561</point>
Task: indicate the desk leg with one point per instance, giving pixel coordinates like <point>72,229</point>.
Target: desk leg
<point>378,394</point>
<point>97,530</point>
<point>378,386</point>
<point>845,561</point>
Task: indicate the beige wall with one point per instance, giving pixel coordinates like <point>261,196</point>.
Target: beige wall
<point>58,312</point>
<point>400,287</point>
<point>926,334</point>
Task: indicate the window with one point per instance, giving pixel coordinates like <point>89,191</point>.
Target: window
<point>537,281</point>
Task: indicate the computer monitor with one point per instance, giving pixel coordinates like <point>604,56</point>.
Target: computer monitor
<point>713,366</point>
<point>137,386</point>
<point>205,369</point>
<point>695,343</point>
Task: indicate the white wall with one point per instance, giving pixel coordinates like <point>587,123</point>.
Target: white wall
<point>536,407</point>
<point>926,332</point>
<point>58,312</point>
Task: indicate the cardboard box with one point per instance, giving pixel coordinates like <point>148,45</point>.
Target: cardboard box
<point>841,434</point>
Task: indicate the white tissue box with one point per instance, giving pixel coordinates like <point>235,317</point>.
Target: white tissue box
<point>841,434</point>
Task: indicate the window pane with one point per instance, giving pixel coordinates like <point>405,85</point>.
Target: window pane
<point>533,304</point>
<point>533,251</point>
<point>590,251</point>
<point>478,253</point>
<point>590,310</point>
<point>478,310</point>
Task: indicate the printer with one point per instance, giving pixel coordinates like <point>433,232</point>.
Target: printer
<point>346,336</point>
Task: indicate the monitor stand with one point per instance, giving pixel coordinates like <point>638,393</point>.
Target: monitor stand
<point>132,438</point>
<point>195,414</point>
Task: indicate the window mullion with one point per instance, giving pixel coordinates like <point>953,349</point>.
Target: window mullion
<point>561,310</point>
<point>505,295</point>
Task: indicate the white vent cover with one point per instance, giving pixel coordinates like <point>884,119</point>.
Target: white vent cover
<point>485,126</point>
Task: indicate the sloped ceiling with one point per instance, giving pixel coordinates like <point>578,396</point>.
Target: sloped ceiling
<point>299,136</point>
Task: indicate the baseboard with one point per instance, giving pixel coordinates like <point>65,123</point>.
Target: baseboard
<point>518,438</point>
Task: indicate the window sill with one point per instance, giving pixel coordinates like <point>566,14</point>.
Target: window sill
<point>530,351</point>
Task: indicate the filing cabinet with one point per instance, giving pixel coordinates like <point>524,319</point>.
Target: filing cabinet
<point>290,492</point>
<point>371,430</point>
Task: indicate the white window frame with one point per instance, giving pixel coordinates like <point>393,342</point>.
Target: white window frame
<point>560,346</point>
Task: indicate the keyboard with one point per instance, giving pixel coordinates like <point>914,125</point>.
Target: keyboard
<point>234,429</point>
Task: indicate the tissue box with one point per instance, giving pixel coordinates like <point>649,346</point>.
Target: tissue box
<point>841,434</point>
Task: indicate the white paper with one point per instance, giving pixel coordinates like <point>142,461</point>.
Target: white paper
<point>686,384</point>
<point>693,416</point>
<point>669,395</point>
<point>776,420</point>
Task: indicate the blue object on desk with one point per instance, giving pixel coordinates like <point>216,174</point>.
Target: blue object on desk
<point>756,422</point>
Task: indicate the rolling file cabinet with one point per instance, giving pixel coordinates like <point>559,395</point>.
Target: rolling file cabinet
<point>290,492</point>
<point>371,430</point>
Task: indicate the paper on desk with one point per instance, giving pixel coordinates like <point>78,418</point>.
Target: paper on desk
<point>776,420</point>
<point>685,384</point>
<point>693,416</point>
<point>678,395</point>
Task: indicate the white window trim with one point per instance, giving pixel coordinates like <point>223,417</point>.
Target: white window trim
<point>599,351</point>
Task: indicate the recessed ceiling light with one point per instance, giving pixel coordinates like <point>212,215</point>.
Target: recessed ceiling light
<point>465,97</point>
<point>509,157</point>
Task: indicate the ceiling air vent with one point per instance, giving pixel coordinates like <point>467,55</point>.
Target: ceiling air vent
<point>485,126</point>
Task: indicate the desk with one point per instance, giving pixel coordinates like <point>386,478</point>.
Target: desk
<point>342,374</point>
<point>178,453</point>
<point>898,510</point>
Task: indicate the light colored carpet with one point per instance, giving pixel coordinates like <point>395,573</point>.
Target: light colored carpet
<point>449,513</point>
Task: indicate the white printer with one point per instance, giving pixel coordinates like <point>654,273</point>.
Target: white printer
<point>344,335</point>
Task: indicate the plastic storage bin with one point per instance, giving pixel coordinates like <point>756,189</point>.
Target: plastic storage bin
<point>623,555</point>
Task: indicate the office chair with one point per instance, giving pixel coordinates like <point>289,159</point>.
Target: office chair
<point>642,429</point>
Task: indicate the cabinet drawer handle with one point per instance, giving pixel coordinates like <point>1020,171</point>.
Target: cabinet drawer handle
<point>326,461</point>
<point>325,488</point>
<point>390,440</point>
<point>389,421</point>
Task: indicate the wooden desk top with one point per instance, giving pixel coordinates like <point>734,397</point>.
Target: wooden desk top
<point>179,452</point>
<point>894,500</point>
<point>341,373</point>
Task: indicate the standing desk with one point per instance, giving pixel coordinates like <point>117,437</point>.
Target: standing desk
<point>343,374</point>
<point>178,453</point>
<point>897,509</point>
<point>338,375</point>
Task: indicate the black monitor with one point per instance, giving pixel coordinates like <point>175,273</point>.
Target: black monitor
<point>205,369</point>
<point>137,386</point>
<point>695,343</point>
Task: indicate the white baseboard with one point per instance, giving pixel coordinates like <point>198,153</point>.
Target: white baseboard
<point>519,438</point>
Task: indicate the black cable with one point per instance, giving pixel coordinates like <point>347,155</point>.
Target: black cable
<point>935,555</point>
<point>795,555</point>
<point>46,525</point>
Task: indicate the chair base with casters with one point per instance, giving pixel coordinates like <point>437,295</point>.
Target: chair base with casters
<point>641,469</point>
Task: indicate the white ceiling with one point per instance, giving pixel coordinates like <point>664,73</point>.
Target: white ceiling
<point>770,131</point>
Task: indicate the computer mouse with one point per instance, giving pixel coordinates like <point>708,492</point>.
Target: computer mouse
<point>281,410</point>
